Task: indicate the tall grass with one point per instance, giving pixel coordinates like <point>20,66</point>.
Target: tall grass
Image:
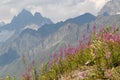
<point>96,57</point>
<point>101,50</point>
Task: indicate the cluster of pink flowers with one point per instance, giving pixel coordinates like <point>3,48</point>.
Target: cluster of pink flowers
<point>27,77</point>
<point>108,54</point>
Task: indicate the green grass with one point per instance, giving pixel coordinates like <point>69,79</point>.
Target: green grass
<point>100,52</point>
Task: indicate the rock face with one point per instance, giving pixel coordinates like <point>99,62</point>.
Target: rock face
<point>110,8</point>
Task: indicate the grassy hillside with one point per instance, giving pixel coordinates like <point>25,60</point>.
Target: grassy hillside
<point>96,57</point>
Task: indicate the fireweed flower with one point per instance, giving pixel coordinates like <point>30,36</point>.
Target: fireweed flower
<point>108,55</point>
<point>56,60</point>
<point>50,63</point>
<point>76,50</point>
<point>107,36</point>
<point>29,69</point>
<point>24,75</point>
<point>84,36</point>
<point>94,28</point>
<point>95,55</point>
<point>101,30</point>
<point>33,62</point>
<point>70,50</point>
<point>82,74</point>
<point>55,55</point>
<point>109,74</point>
<point>61,52</point>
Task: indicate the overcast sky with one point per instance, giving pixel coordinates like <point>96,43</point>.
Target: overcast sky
<point>56,10</point>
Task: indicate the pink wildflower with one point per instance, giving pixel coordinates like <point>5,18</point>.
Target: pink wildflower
<point>69,50</point>
<point>50,63</point>
<point>24,75</point>
<point>82,74</point>
<point>55,55</point>
<point>109,74</point>
<point>84,36</point>
<point>77,50</point>
<point>95,55</point>
<point>61,52</point>
<point>108,55</point>
<point>29,69</point>
<point>33,62</point>
<point>42,60</point>
<point>94,28</point>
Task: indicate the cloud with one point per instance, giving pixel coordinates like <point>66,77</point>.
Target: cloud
<point>56,10</point>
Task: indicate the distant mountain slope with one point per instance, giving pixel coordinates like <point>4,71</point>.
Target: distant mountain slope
<point>80,20</point>
<point>110,8</point>
<point>8,57</point>
<point>103,21</point>
<point>2,24</point>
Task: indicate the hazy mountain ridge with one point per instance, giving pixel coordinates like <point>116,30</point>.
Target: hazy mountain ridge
<point>80,20</point>
<point>8,57</point>
<point>110,8</point>
<point>2,24</point>
<point>50,37</point>
<point>28,35</point>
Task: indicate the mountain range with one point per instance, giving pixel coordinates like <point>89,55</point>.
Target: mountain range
<point>35,36</point>
<point>32,43</point>
<point>22,21</point>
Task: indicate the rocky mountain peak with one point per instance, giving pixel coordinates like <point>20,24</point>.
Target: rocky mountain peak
<point>24,11</point>
<point>25,18</point>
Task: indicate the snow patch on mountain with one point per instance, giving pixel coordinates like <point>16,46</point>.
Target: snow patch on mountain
<point>33,26</point>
